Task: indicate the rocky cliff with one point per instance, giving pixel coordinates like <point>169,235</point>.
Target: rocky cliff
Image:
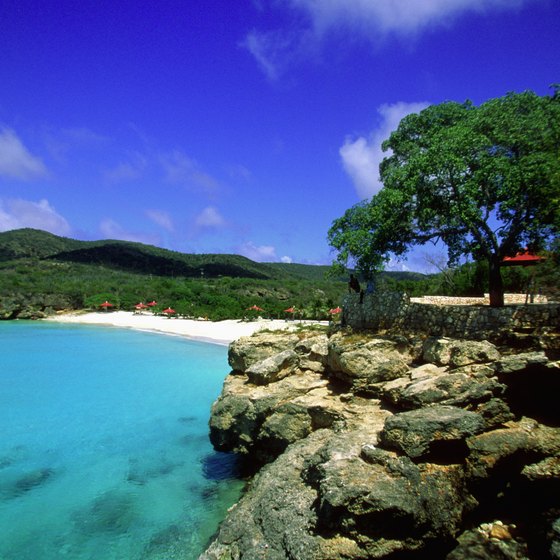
<point>35,306</point>
<point>390,447</point>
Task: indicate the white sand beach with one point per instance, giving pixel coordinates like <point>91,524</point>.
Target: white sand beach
<point>219,332</point>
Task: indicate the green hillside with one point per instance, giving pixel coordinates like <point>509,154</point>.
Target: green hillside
<point>127,255</point>
<point>42,271</point>
<point>25,243</point>
<point>51,272</point>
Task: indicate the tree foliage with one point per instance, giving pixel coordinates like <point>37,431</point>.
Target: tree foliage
<point>484,180</point>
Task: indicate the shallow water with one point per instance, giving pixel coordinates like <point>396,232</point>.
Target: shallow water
<point>104,451</point>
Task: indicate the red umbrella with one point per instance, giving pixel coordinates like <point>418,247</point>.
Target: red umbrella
<point>106,305</point>
<point>152,303</point>
<point>290,310</point>
<point>141,306</point>
<point>169,311</point>
<point>335,311</point>
<point>523,258</point>
<point>255,308</point>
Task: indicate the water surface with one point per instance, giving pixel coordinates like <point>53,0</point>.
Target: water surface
<point>104,451</point>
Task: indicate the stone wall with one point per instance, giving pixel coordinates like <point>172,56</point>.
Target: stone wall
<point>392,311</point>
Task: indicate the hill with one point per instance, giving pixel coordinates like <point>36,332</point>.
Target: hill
<point>42,272</point>
<point>127,255</point>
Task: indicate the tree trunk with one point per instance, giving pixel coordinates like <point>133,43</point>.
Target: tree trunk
<point>496,285</point>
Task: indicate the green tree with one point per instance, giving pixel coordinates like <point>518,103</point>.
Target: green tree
<point>484,180</point>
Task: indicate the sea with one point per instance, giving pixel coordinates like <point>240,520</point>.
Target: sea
<point>104,449</point>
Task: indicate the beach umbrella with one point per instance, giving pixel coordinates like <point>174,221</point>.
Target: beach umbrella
<point>141,306</point>
<point>106,305</point>
<point>169,311</point>
<point>255,308</point>
<point>152,304</point>
<point>290,310</point>
<point>523,258</point>
<point>335,311</point>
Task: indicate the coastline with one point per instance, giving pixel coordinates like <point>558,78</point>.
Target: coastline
<point>215,332</point>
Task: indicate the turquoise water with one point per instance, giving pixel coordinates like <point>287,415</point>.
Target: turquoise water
<point>104,452</point>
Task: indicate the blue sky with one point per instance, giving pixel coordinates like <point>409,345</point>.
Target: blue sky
<point>241,126</point>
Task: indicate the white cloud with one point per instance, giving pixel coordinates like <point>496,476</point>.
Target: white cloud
<point>262,47</point>
<point>161,218</point>
<point>18,213</point>
<point>396,265</point>
<point>257,253</point>
<point>286,260</point>
<point>361,157</point>
<point>210,217</point>
<point>275,49</point>
<point>110,229</point>
<point>16,161</point>
<point>371,17</point>
<point>180,169</point>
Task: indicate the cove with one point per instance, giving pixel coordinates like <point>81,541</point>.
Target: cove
<point>104,451</point>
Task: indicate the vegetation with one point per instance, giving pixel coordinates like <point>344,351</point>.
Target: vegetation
<point>40,270</point>
<point>79,274</point>
<point>484,180</point>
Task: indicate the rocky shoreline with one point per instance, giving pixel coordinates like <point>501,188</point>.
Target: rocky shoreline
<point>367,446</point>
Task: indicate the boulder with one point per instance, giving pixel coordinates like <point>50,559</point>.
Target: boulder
<point>238,414</point>
<point>363,365</point>
<point>384,502</point>
<point>347,476</point>
<point>519,362</point>
<point>429,431</point>
<point>313,352</point>
<point>456,353</point>
<point>437,385</point>
<point>248,350</point>
<point>490,541</point>
<point>498,448</point>
<point>273,368</point>
<point>253,529</point>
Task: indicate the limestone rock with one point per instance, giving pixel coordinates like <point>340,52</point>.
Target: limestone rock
<point>347,477</point>
<point>421,432</point>
<point>496,448</point>
<point>253,529</point>
<point>441,386</point>
<point>273,368</point>
<point>365,364</point>
<point>239,412</point>
<point>547,469</point>
<point>313,352</point>
<point>490,541</point>
<point>299,417</point>
<point>456,353</point>
<point>384,502</point>
<point>518,362</point>
<point>248,350</point>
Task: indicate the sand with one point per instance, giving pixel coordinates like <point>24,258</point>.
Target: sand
<point>218,332</point>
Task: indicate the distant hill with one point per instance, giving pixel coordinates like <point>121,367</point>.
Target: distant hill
<point>41,273</point>
<point>304,271</point>
<point>129,256</point>
<point>33,243</point>
<point>146,259</point>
